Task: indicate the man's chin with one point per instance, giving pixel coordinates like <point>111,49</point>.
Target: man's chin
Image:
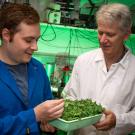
<point>106,52</point>
<point>27,60</point>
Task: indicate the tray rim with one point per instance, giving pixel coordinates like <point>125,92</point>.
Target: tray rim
<point>78,119</point>
<point>58,123</point>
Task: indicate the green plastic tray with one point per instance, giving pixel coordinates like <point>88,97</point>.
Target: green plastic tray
<point>74,124</point>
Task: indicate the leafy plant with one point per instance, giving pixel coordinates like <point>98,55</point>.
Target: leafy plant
<point>80,108</point>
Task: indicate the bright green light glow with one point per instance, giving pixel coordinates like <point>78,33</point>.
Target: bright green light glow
<point>65,40</point>
<point>62,39</point>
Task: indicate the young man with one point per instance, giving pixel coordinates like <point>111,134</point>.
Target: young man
<point>106,75</point>
<point>24,87</point>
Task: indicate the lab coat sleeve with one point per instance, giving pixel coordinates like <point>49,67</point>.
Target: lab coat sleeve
<point>17,124</point>
<point>125,123</point>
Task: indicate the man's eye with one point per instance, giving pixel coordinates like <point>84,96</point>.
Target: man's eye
<point>28,41</point>
<point>100,33</point>
<point>110,35</point>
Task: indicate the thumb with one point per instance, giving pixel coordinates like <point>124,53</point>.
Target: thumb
<point>107,112</point>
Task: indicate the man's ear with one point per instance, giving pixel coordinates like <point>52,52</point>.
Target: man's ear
<point>127,34</point>
<point>6,35</point>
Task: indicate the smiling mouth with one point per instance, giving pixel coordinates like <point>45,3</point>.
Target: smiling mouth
<point>29,54</point>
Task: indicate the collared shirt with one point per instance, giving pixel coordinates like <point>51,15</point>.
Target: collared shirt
<point>115,89</point>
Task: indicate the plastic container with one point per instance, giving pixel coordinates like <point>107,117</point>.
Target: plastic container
<point>75,124</point>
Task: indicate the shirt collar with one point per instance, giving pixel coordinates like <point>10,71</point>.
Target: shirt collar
<point>99,56</point>
<point>123,62</point>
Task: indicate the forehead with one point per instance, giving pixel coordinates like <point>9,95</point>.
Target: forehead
<point>28,30</point>
<point>108,26</point>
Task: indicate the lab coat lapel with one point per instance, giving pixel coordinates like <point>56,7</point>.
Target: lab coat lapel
<point>32,77</point>
<point>8,79</point>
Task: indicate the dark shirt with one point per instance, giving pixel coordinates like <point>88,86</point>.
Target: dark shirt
<point>19,72</point>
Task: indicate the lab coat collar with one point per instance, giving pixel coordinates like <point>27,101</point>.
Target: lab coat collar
<point>123,62</point>
<point>99,56</point>
<point>32,77</point>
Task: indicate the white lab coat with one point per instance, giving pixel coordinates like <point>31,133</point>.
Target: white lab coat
<point>115,89</point>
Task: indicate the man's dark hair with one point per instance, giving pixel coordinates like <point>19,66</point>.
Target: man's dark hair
<point>12,14</point>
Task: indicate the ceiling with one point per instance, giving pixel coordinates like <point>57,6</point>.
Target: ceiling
<point>89,8</point>
<point>80,13</point>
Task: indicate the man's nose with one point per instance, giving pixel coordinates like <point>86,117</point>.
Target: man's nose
<point>34,46</point>
<point>103,38</point>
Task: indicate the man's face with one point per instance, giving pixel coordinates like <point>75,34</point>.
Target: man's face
<point>23,43</point>
<point>111,38</point>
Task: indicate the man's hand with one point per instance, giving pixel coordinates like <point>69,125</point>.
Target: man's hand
<point>108,123</point>
<point>45,127</point>
<point>49,110</point>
